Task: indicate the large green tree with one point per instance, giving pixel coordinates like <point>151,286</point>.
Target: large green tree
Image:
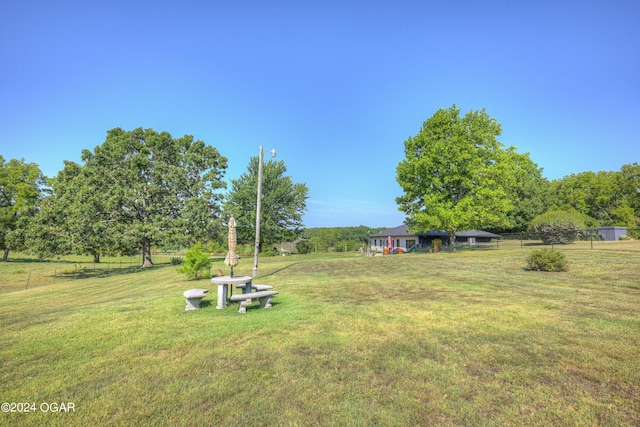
<point>154,189</point>
<point>456,175</point>
<point>283,203</point>
<point>21,188</point>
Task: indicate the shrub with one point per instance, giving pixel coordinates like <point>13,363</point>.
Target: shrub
<point>176,261</point>
<point>546,260</point>
<point>624,237</point>
<point>304,247</point>
<point>558,227</point>
<point>269,252</point>
<point>195,261</point>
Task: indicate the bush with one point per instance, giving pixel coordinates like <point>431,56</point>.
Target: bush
<point>546,260</point>
<point>304,247</point>
<point>269,252</point>
<point>195,261</point>
<point>558,227</point>
<point>176,261</point>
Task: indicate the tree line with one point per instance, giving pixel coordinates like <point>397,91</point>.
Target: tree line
<point>335,239</point>
<point>137,191</point>
<point>143,189</point>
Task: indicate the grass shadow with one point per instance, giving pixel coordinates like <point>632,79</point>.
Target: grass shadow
<point>88,273</point>
<point>279,270</point>
<point>206,303</point>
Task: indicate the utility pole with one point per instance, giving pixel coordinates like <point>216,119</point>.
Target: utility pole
<point>258,210</point>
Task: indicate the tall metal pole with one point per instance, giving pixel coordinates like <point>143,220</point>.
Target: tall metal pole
<point>258,206</point>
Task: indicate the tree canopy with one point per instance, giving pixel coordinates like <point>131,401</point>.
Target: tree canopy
<point>456,175</point>
<point>529,194</point>
<point>605,197</point>
<point>283,203</point>
<point>139,188</point>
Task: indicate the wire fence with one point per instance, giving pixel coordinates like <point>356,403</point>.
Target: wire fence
<point>20,273</point>
<point>593,236</point>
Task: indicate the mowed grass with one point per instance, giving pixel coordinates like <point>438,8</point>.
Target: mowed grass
<point>465,338</point>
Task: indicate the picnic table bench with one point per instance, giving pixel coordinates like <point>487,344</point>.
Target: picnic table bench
<point>194,298</point>
<point>263,296</point>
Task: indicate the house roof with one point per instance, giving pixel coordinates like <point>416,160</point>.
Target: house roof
<point>403,230</point>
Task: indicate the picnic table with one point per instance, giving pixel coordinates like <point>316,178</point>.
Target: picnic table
<point>224,282</point>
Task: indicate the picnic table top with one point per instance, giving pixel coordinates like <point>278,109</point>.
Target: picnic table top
<point>228,280</point>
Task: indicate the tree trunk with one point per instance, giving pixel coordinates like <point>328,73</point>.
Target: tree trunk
<point>6,254</point>
<point>96,258</point>
<point>146,253</point>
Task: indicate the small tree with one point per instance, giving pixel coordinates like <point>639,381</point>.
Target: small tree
<point>283,204</point>
<point>558,227</point>
<point>194,262</point>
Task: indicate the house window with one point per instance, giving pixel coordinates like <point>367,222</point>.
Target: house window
<point>410,243</point>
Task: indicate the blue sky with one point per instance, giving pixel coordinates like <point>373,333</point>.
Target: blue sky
<point>336,87</point>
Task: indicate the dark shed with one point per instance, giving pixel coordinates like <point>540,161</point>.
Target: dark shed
<point>611,233</point>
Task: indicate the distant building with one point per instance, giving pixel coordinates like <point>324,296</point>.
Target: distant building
<point>401,237</point>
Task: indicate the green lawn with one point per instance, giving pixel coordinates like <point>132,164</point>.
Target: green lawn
<point>464,338</point>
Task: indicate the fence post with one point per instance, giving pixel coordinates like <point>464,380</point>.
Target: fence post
<point>28,278</point>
